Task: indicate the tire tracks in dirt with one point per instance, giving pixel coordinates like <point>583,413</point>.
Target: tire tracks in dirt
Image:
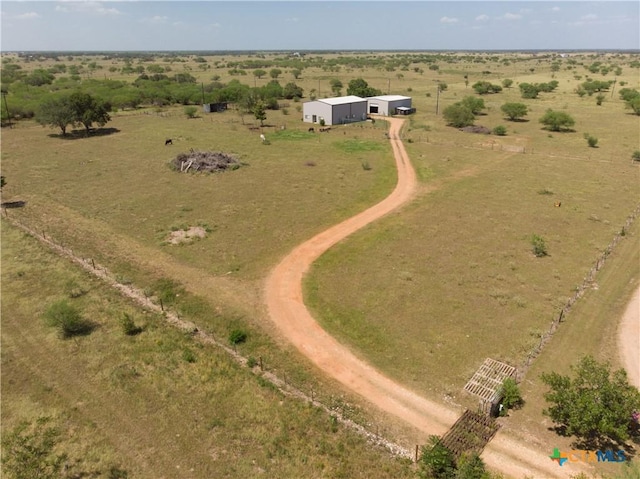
<point>286,308</point>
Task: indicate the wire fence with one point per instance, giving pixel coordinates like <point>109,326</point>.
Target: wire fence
<point>338,407</point>
<point>587,283</point>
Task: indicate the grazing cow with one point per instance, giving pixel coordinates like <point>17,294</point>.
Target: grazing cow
<point>262,137</point>
<point>168,142</point>
<point>557,204</point>
<point>312,130</point>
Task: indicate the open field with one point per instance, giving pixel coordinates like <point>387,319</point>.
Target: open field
<point>157,404</point>
<point>424,294</point>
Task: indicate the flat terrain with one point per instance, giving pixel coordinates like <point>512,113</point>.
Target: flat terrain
<point>424,294</point>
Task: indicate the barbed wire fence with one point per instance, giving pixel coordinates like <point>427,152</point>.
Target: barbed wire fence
<point>338,407</point>
<point>587,283</point>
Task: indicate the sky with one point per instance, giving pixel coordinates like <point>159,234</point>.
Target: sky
<point>300,25</point>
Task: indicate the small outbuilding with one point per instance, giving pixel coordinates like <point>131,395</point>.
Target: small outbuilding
<point>214,107</point>
<point>335,111</point>
<point>389,105</point>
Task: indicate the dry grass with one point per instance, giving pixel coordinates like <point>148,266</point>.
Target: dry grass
<point>425,294</point>
<point>140,403</point>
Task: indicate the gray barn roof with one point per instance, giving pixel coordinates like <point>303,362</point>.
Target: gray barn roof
<point>389,97</point>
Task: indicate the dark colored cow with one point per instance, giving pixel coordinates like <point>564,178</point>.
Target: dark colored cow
<point>168,142</point>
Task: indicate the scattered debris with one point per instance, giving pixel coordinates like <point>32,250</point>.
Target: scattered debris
<point>476,129</point>
<point>186,236</point>
<point>208,161</point>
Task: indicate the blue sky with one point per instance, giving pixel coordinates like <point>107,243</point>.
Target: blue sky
<point>318,25</point>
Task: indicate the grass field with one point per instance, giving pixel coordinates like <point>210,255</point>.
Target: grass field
<point>156,404</point>
<point>424,294</point>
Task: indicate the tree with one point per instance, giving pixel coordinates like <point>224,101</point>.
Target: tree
<point>471,467</point>
<point>296,72</point>
<point>360,87</point>
<point>596,404</point>
<point>485,87</point>
<point>528,90</point>
<point>507,82</point>
<point>275,73</point>
<point>436,461</point>
<point>259,73</point>
<point>190,111</point>
<point>260,113</point>
<point>56,112</point>
<point>88,110</point>
<point>336,86</point>
<point>28,451</point>
<point>557,120</point>
<point>514,111</point>
<point>291,90</point>
<point>476,105</point>
<point>458,115</point>
<point>500,130</point>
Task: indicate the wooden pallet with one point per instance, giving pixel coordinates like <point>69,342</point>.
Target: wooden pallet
<point>487,381</point>
<point>470,434</point>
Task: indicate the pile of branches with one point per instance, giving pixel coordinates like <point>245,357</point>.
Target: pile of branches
<point>208,161</point>
<point>476,129</point>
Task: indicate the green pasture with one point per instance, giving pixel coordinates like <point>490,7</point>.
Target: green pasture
<point>157,404</point>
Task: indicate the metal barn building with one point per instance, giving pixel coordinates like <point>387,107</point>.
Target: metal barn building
<point>387,104</point>
<point>335,111</point>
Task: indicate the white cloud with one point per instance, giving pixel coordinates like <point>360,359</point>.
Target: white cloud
<point>482,18</point>
<point>589,18</point>
<point>448,20</point>
<point>27,16</point>
<point>86,7</point>
<point>511,16</point>
<point>526,11</point>
<point>555,9</point>
<point>292,19</point>
<point>156,19</point>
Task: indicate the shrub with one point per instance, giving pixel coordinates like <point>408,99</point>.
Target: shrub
<point>500,130</point>
<point>129,326</point>
<point>635,156</point>
<point>188,355</point>
<point>237,336</point>
<point>252,362</point>
<point>67,320</point>
<point>592,141</point>
<point>190,111</point>
<point>539,246</point>
<point>511,397</point>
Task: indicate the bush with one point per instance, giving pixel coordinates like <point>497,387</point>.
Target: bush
<point>188,355</point>
<point>511,397</point>
<point>635,156</point>
<point>539,246</point>
<point>129,326</point>
<point>592,141</point>
<point>500,130</point>
<point>252,362</point>
<point>67,320</point>
<point>237,336</point>
<point>191,111</point>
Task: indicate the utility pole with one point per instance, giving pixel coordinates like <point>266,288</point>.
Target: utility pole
<point>438,100</point>
<point>4,95</point>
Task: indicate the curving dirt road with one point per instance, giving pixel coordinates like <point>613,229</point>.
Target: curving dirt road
<point>284,299</point>
<point>629,339</point>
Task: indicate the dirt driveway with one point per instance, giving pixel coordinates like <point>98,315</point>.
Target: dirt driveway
<point>629,339</point>
<point>283,297</point>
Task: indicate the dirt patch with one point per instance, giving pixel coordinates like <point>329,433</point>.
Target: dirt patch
<point>186,236</point>
<point>209,161</point>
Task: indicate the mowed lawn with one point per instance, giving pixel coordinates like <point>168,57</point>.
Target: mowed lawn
<point>157,404</point>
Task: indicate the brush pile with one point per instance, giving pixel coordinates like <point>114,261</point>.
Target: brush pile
<point>207,161</point>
